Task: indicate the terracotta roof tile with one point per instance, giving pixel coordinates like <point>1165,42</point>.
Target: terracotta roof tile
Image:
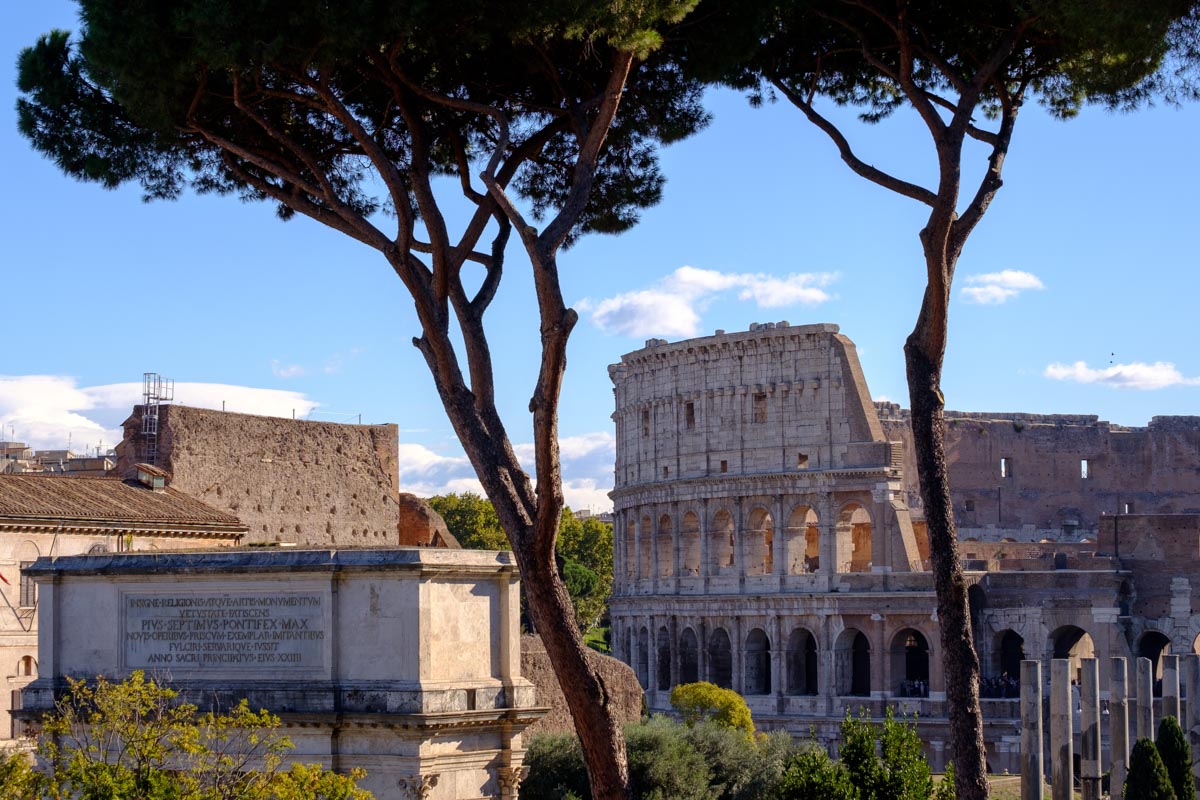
<point>81,497</point>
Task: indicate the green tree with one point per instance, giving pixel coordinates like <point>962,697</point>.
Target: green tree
<point>966,70</point>
<point>134,740</point>
<point>341,111</point>
<point>703,701</point>
<point>18,781</point>
<point>1148,778</point>
<point>896,770</point>
<point>1176,754</point>
<point>471,520</point>
<point>812,775</point>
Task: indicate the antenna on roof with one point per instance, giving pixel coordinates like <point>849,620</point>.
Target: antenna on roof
<point>156,391</point>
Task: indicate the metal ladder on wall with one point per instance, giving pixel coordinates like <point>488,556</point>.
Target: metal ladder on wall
<point>156,391</point>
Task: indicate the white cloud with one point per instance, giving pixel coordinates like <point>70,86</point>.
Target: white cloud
<point>672,307</point>
<point>993,288</point>
<point>281,370</point>
<point>1146,377</point>
<point>587,464</point>
<point>47,411</point>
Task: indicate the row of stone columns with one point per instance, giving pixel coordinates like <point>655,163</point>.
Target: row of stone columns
<point>1066,698</point>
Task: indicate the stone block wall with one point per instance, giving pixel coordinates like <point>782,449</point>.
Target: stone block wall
<point>1061,473</point>
<point>311,483</point>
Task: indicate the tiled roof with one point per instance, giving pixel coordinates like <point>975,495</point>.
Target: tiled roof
<point>95,498</point>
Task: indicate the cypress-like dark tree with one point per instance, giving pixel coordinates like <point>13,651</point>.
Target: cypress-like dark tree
<point>1148,778</point>
<point>966,69</point>
<point>373,117</point>
<point>1176,754</point>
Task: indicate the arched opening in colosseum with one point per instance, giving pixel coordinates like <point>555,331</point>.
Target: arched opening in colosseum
<point>720,659</point>
<point>720,543</point>
<point>910,663</point>
<point>1154,645</point>
<point>689,657</point>
<point>643,657</point>
<point>760,537</point>
<point>803,541</point>
<point>757,678</point>
<point>852,664</point>
<point>802,662</point>
<point>631,561</point>
<point>665,543</point>
<point>1010,652</point>
<point>645,548</point>
<point>854,534</point>
<point>1073,643</point>
<point>664,658</point>
<point>689,544</point>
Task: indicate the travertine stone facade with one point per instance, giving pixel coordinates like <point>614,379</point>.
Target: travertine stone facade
<point>404,662</point>
<point>308,483</point>
<point>1061,473</point>
<point>764,542</point>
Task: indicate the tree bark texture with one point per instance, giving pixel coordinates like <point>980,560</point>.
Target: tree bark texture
<point>959,660</point>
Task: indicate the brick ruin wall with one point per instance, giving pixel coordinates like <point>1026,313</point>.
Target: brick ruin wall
<point>312,483</point>
<point>1150,470</point>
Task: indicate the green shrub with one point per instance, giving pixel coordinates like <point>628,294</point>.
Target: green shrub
<point>742,768</point>
<point>1148,778</point>
<point>1176,754</point>
<point>556,768</point>
<point>663,765</point>
<point>898,772</point>
<point>810,775</point>
<point>706,701</point>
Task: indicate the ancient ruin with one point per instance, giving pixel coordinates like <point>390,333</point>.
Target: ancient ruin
<point>768,537</point>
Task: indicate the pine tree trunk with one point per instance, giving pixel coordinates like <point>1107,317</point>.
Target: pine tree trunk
<point>586,695</point>
<point>923,359</point>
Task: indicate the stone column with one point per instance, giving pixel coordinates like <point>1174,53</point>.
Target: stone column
<point>1191,682</point>
<point>1170,690</point>
<point>651,660</point>
<point>705,571</point>
<point>1032,766</point>
<point>739,540</point>
<point>738,657</point>
<point>779,541</point>
<point>674,634</point>
<point>777,650</point>
<point>827,526</point>
<point>1118,720</point>
<point>1089,739</point>
<point>655,570</point>
<point>1145,699</point>
<point>1062,756</point>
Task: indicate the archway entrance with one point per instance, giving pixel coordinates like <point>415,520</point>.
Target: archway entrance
<point>720,659</point>
<point>758,663</point>
<point>802,662</point>
<point>910,663</point>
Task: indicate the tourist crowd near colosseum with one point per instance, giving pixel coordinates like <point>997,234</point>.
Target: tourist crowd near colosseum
<point>769,536</point>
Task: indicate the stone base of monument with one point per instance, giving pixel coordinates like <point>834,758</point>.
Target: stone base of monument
<point>405,662</point>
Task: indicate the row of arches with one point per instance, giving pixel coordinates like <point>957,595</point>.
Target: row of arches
<point>661,548</point>
<point>800,661</point>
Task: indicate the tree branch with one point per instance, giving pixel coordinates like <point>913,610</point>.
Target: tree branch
<point>877,176</point>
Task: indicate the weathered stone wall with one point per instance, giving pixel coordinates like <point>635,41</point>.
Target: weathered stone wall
<point>1151,470</point>
<point>625,693</point>
<point>312,483</point>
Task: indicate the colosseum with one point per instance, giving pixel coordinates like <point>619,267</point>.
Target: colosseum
<point>770,538</point>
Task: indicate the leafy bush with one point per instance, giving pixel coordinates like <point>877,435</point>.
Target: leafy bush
<point>1148,778</point>
<point>663,765</point>
<point>1176,754</point>
<point>696,702</point>
<point>556,768</point>
<point>898,772</point>
<point>811,775</point>
<point>742,768</point>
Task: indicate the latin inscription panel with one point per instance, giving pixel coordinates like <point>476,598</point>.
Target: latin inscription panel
<point>242,631</point>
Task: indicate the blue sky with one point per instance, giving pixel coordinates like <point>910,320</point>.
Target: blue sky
<point>1077,294</point>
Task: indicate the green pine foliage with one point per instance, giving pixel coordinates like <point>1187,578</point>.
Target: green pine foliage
<point>1148,778</point>
<point>812,775</point>
<point>1176,754</point>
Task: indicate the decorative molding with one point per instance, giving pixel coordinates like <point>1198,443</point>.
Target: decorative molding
<point>418,787</point>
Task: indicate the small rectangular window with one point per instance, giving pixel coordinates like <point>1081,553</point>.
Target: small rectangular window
<point>1005,467</point>
<point>724,466</point>
<point>28,587</point>
<point>802,461</point>
<point>970,505</point>
<point>645,422</point>
<point>1085,469</point>
<point>760,408</point>
<point>1127,508</point>
<point>689,413</point>
<point>666,472</point>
